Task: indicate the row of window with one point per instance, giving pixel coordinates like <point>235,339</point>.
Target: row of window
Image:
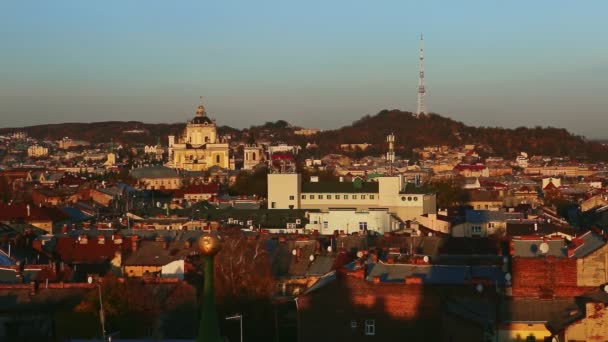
<point>362,225</point>
<point>409,198</point>
<point>363,197</point>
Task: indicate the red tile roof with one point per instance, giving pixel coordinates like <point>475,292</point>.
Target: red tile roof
<point>209,188</point>
<point>71,250</point>
<point>13,212</point>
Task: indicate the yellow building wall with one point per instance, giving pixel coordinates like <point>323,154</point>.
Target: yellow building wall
<point>592,269</point>
<point>521,331</point>
<point>594,327</point>
<point>139,271</point>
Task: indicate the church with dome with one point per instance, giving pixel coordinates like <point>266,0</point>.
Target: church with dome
<point>199,147</point>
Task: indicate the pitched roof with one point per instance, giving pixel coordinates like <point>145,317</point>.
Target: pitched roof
<point>71,250</point>
<point>586,244</point>
<point>543,228</point>
<point>154,253</point>
<point>434,274</point>
<point>209,188</point>
<point>534,310</point>
<point>12,212</point>
<point>154,172</point>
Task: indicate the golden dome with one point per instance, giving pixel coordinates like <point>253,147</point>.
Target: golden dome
<point>209,245</point>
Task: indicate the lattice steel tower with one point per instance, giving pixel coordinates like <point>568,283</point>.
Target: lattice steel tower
<point>421,91</point>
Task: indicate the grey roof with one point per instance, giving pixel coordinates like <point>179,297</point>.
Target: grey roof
<point>566,317</point>
<point>339,187</point>
<point>473,310</point>
<point>534,310</point>
<point>591,241</point>
<point>544,228</point>
<point>321,265</point>
<point>285,264</point>
<point>531,248</point>
<point>8,276</point>
<point>154,172</point>
<point>153,253</point>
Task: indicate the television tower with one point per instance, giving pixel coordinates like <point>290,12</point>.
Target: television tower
<point>421,91</point>
<point>390,155</point>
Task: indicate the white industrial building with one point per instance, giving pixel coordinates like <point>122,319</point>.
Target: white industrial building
<point>287,191</point>
<point>349,220</point>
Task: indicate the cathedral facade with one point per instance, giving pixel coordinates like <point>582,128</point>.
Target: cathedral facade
<point>199,147</point>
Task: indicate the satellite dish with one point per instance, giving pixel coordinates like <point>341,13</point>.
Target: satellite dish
<point>311,258</point>
<point>359,254</point>
<point>479,288</point>
<point>426,258</point>
<point>294,252</point>
<point>329,249</point>
<point>158,204</point>
<point>606,288</point>
<point>508,276</point>
<point>544,248</point>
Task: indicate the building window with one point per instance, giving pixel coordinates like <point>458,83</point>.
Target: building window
<point>353,324</point>
<point>362,225</point>
<point>320,196</point>
<point>370,327</point>
<point>291,198</point>
<point>217,159</point>
<point>476,229</point>
<point>409,198</point>
<point>325,225</point>
<point>354,196</point>
<point>337,196</point>
<point>345,196</point>
<point>415,198</point>
<point>403,198</point>
<point>273,205</point>
<point>371,196</point>
<point>362,197</point>
<point>303,196</point>
<point>312,196</point>
<point>328,196</point>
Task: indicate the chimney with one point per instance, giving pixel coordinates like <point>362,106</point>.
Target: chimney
<point>134,243</point>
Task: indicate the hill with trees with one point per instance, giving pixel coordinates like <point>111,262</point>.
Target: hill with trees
<point>410,132</point>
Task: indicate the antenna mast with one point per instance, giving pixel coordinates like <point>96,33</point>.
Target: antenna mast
<point>390,155</point>
<point>421,91</point>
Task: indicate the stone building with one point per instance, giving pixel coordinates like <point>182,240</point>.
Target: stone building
<point>199,147</point>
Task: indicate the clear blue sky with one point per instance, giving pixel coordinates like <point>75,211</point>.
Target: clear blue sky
<point>313,63</point>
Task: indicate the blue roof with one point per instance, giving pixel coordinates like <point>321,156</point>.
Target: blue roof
<point>75,214</point>
<point>434,274</point>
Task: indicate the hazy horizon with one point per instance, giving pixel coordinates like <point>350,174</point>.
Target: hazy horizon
<point>319,65</point>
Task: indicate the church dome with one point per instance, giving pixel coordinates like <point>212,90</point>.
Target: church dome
<point>201,117</point>
<point>201,120</point>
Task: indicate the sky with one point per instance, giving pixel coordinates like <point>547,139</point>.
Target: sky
<point>319,64</point>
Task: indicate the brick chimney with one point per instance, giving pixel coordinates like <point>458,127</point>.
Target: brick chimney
<point>134,239</point>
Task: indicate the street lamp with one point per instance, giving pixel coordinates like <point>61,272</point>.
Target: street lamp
<point>240,318</point>
<point>101,313</point>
